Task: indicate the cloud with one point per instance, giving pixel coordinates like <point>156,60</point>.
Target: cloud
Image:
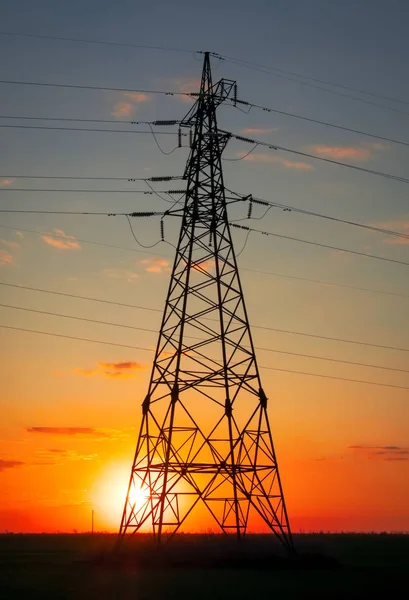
<point>123,109</point>
<point>342,152</point>
<point>104,373</point>
<point>6,181</point>
<point>67,431</point>
<point>375,447</point>
<point>117,273</point>
<point>138,97</point>
<point>361,153</point>
<point>270,158</point>
<point>259,130</point>
<point>61,241</point>
<point>56,456</point>
<point>205,266</point>
<point>121,365</point>
<point>128,109</point>
<point>186,85</point>
<point>400,225</point>
<point>10,244</point>
<point>387,453</point>
<point>155,265</point>
<point>19,234</point>
<point>10,464</point>
<point>5,257</point>
<point>119,370</point>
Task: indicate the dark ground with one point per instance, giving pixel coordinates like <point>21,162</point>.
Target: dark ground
<point>335,566</point>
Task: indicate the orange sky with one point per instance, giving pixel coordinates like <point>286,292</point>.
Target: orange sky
<point>70,408</point>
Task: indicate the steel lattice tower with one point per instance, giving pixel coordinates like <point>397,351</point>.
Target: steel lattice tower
<point>205,434</point>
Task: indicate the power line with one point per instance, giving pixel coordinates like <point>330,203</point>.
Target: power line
<point>290,208</point>
<point>319,87</point>
<point>294,239</point>
<point>129,179</point>
<point>246,228</point>
<point>250,198</point>
<point>332,339</point>
<point>317,281</point>
<point>326,123</point>
<point>78,191</point>
<point>66,212</point>
<point>95,87</point>
<point>89,129</point>
<point>323,282</point>
<point>315,157</point>
<point>258,67</point>
<point>80,240</point>
<point>98,42</point>
<point>248,64</point>
<point>70,337</point>
<point>74,119</point>
<point>76,318</point>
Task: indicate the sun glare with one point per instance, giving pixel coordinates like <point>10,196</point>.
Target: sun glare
<point>108,496</point>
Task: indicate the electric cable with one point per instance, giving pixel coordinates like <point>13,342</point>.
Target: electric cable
<point>248,64</point>
<point>271,146</point>
<point>318,122</point>
<point>90,129</point>
<point>262,327</point>
<point>81,339</point>
<point>94,87</point>
<point>324,89</point>
<point>135,238</point>
<point>313,356</point>
<point>104,178</point>
<point>318,244</point>
<point>289,208</point>
<point>261,272</point>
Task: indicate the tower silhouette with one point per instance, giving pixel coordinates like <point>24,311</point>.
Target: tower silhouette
<point>205,435</point>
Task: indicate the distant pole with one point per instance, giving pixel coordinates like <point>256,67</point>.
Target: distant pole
<point>92,522</point>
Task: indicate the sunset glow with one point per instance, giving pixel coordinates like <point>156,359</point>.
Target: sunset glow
<point>319,215</point>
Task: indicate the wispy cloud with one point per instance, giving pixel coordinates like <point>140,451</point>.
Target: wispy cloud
<point>10,464</point>
<point>343,152</point>
<point>127,108</point>
<point>204,266</point>
<point>61,241</point>
<point>182,84</point>
<point>259,157</point>
<point>388,453</point>
<point>19,234</point>
<point>120,370</point>
<point>118,273</point>
<point>5,257</point>
<point>121,366</point>
<point>87,431</point>
<point>259,130</point>
<point>400,225</point>
<point>10,244</point>
<point>56,456</point>
<point>138,97</point>
<point>6,181</point>
<point>123,109</point>
<point>155,265</point>
<point>359,153</point>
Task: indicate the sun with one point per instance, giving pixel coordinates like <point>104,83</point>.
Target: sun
<point>108,494</point>
<point>138,497</point>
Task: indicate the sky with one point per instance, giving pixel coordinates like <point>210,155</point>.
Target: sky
<point>71,408</point>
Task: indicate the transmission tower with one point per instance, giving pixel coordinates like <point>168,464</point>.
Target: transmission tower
<point>205,435</point>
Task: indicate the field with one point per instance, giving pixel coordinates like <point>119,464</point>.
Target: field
<point>65,567</point>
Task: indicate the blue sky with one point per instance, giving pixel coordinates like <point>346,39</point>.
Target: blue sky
<point>361,45</point>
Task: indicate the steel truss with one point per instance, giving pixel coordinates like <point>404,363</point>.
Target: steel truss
<point>205,436</point>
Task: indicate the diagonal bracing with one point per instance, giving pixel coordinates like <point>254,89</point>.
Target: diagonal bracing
<point>205,436</point>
